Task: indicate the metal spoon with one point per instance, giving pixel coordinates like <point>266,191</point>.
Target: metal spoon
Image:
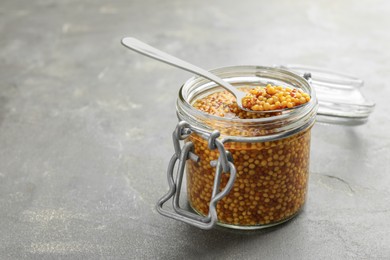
<point>147,50</point>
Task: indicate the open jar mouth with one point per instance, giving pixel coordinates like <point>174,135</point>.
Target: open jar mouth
<point>284,124</point>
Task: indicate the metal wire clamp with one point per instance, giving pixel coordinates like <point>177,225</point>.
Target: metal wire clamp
<point>224,164</point>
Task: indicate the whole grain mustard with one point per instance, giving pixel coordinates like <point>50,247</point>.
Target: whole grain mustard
<point>271,182</point>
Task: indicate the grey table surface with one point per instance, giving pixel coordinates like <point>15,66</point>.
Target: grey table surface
<point>85,126</point>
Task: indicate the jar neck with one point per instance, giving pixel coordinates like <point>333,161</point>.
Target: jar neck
<point>284,124</point>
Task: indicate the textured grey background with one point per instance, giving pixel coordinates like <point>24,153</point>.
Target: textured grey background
<point>85,126</point>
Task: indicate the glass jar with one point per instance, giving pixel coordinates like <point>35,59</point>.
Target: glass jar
<point>241,173</point>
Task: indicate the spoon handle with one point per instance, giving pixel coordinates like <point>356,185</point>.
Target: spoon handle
<point>147,50</point>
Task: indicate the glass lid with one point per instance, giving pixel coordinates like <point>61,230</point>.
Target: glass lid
<point>339,97</point>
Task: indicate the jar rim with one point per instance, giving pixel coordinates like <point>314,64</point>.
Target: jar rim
<point>238,75</point>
